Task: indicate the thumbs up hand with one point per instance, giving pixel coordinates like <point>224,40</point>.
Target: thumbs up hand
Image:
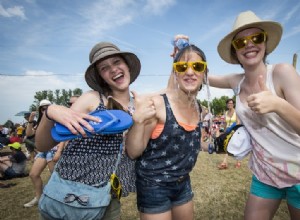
<point>264,101</point>
<point>144,108</point>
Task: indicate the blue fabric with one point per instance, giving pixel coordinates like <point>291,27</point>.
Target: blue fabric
<point>160,198</point>
<point>64,199</point>
<point>291,194</point>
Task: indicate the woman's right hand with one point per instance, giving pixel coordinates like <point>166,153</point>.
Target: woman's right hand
<point>73,120</point>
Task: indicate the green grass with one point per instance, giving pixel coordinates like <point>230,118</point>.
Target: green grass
<point>219,194</point>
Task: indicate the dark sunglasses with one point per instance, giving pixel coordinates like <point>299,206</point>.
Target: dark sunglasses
<point>198,66</point>
<point>257,38</point>
<point>116,185</point>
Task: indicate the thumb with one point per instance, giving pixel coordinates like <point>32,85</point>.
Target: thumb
<point>262,83</point>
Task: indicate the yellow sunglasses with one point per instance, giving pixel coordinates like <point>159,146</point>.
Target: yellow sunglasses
<point>197,66</point>
<point>116,185</point>
<point>257,38</point>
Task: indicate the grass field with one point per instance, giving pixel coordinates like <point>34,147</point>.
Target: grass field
<point>219,194</point>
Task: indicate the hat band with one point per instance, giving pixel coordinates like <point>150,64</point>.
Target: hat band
<point>98,53</point>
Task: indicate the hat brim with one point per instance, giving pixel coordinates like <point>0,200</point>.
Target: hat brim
<point>274,33</point>
<point>131,59</point>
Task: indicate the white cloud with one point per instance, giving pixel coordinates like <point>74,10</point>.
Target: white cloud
<point>16,11</point>
<point>17,92</point>
<point>158,7</point>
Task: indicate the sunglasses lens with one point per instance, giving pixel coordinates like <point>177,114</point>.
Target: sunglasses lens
<point>198,66</point>
<point>239,43</point>
<point>181,67</point>
<point>258,38</point>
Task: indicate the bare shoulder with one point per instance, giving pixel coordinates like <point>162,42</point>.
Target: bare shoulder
<point>285,73</point>
<point>87,102</point>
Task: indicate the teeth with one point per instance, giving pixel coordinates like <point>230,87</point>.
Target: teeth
<point>250,54</point>
<point>117,76</point>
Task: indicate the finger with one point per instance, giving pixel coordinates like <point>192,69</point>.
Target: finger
<point>262,84</point>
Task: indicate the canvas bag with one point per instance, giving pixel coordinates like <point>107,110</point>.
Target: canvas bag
<point>68,200</point>
<point>65,199</point>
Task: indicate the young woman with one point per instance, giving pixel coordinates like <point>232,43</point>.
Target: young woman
<point>165,140</point>
<point>42,159</point>
<point>110,73</point>
<point>230,118</point>
<point>268,105</point>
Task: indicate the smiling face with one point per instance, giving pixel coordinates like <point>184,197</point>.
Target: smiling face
<point>251,53</point>
<point>190,80</point>
<point>115,72</point>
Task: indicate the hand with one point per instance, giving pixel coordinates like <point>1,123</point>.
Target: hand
<point>178,36</point>
<point>144,108</point>
<point>73,120</point>
<point>32,116</point>
<point>264,101</point>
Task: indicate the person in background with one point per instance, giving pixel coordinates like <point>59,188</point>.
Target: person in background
<point>29,140</point>
<point>42,159</point>
<point>109,74</point>
<point>231,119</point>
<point>268,105</point>
<point>165,140</point>
<point>13,165</point>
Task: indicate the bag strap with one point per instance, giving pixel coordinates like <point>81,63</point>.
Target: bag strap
<point>118,159</point>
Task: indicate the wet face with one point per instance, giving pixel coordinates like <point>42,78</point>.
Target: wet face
<point>250,52</point>
<point>190,80</point>
<point>115,72</point>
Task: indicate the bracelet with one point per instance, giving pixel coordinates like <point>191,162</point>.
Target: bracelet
<point>30,122</point>
<point>47,116</point>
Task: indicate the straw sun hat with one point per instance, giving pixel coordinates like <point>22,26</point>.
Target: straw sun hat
<point>246,20</point>
<point>104,50</point>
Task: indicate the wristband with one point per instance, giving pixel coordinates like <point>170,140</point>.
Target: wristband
<point>30,122</point>
<point>47,116</point>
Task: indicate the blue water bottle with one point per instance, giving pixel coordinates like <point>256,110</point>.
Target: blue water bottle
<point>180,43</point>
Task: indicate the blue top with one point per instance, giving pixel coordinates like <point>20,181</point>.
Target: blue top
<point>172,155</point>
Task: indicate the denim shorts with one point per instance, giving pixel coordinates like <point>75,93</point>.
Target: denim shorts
<point>291,194</point>
<point>47,155</point>
<point>153,198</point>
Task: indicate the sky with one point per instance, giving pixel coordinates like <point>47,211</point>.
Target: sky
<point>44,45</point>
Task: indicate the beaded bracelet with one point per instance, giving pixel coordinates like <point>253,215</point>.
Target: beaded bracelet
<point>46,114</point>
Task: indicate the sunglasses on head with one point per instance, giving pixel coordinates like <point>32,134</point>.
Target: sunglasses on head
<point>257,38</point>
<point>197,66</point>
<point>116,185</point>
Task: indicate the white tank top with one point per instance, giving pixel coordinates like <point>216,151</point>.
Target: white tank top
<point>275,158</point>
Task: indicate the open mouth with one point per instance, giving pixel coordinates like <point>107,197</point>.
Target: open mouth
<point>118,77</point>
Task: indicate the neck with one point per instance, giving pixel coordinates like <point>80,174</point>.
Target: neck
<point>253,72</point>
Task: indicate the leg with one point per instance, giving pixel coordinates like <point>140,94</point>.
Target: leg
<point>35,175</point>
<point>238,164</point>
<point>161,216</point>
<point>224,164</point>
<point>185,211</point>
<point>258,208</point>
<point>294,212</point>
<point>51,165</point>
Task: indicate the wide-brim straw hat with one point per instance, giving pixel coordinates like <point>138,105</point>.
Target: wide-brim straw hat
<point>104,50</point>
<point>246,20</point>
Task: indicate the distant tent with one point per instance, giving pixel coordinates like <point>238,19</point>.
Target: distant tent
<point>22,113</point>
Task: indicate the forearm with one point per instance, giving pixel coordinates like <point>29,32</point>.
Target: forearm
<point>43,138</point>
<point>135,141</point>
